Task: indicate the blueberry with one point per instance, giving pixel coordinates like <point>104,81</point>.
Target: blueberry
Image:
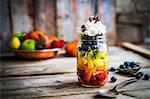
<point>113,79</point>
<point>122,66</point>
<point>146,77</point>
<point>138,76</point>
<point>112,69</point>
<point>137,65</point>
<point>86,47</point>
<point>132,63</point>
<point>93,47</point>
<point>94,42</point>
<point>128,67</point>
<point>140,73</point>
<point>79,48</point>
<point>93,37</point>
<point>133,66</point>
<point>89,43</point>
<point>127,63</point>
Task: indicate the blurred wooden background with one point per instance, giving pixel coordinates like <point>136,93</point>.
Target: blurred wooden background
<point>55,17</point>
<point>126,20</point>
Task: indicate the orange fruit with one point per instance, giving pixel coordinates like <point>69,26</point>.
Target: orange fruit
<point>53,38</point>
<point>87,75</point>
<point>71,48</point>
<point>75,42</point>
<point>47,43</point>
<point>35,34</point>
<point>74,51</point>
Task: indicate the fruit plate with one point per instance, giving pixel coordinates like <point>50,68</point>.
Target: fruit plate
<point>36,54</point>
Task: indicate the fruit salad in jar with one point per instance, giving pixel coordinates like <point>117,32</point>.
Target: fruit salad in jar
<point>92,58</point>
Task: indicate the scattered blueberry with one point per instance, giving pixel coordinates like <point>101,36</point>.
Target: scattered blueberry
<point>122,66</point>
<point>140,73</point>
<point>113,79</point>
<point>138,76</point>
<point>112,69</point>
<point>146,77</point>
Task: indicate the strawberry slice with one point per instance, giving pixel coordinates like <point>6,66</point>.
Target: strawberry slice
<point>58,44</point>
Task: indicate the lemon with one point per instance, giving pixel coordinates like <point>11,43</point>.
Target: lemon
<point>14,43</point>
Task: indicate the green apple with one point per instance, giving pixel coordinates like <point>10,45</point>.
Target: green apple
<point>14,43</point>
<point>28,44</point>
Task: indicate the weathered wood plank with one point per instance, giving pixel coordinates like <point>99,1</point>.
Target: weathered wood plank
<point>21,15</point>
<point>64,64</point>
<point>54,85</point>
<point>15,83</point>
<point>45,16</point>
<point>107,12</point>
<point>70,15</point>
<point>138,49</point>
<point>5,30</point>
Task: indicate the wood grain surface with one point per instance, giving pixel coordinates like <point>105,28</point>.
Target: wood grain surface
<point>56,78</point>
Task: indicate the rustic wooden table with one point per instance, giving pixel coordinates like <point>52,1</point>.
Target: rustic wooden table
<point>56,78</point>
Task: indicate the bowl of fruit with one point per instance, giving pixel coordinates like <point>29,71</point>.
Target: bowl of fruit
<point>35,45</point>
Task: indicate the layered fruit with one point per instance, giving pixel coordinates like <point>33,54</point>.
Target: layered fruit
<point>92,63</point>
<point>92,58</point>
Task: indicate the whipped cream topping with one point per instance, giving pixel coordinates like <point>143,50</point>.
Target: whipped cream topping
<point>92,27</point>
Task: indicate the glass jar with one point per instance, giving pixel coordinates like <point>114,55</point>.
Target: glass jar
<point>92,60</point>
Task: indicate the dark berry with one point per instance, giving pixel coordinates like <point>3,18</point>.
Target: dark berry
<point>86,47</point>
<point>133,66</point>
<point>83,26</point>
<point>94,18</point>
<point>127,63</point>
<point>146,77</point>
<point>128,67</point>
<point>93,47</point>
<point>113,79</point>
<point>132,63</point>
<point>137,65</point>
<point>138,76</point>
<point>93,37</point>
<point>89,43</point>
<point>122,66</point>
<point>94,42</point>
<point>79,48</point>
<point>83,29</point>
<point>90,19</point>
<point>112,69</point>
<point>140,73</point>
